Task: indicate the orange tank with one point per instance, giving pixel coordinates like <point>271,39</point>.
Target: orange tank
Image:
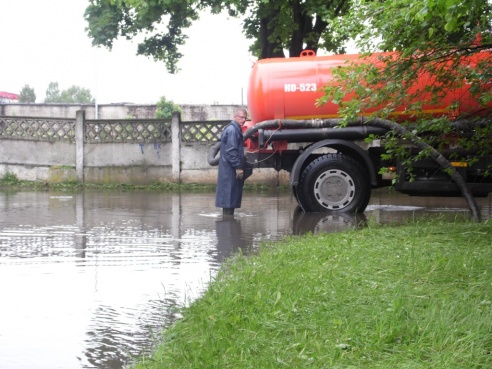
<point>287,88</point>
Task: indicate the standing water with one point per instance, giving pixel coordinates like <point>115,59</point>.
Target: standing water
<point>89,280</point>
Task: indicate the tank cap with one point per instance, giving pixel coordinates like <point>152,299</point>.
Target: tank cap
<point>308,53</point>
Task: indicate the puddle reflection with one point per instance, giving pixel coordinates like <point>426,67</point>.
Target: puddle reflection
<point>325,223</point>
<point>229,238</point>
<point>88,280</point>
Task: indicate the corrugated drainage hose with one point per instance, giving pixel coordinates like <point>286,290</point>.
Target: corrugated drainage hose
<point>212,157</point>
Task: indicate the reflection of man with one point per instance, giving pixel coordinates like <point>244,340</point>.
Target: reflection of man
<point>228,238</point>
<point>231,165</point>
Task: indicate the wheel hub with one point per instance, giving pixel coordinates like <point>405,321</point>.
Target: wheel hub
<point>334,189</point>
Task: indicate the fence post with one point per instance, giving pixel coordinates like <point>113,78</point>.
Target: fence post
<point>79,145</point>
<point>175,147</point>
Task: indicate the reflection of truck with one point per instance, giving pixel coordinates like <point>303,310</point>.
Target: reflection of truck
<point>333,169</point>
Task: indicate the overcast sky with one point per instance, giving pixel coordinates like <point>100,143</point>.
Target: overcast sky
<point>44,41</point>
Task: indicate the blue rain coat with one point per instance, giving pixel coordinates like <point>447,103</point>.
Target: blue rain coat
<point>229,189</point>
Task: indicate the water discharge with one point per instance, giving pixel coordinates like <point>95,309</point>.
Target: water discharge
<point>89,280</point>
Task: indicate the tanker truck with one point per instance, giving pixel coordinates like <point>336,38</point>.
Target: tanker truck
<point>333,168</point>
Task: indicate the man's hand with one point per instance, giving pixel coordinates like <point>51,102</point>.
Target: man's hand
<point>239,173</point>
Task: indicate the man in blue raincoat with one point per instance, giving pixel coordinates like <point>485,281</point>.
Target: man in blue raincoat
<point>232,165</point>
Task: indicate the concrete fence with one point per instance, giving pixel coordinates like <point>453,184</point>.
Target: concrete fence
<point>190,112</point>
<point>130,151</point>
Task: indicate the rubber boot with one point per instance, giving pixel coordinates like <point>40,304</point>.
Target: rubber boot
<point>228,212</point>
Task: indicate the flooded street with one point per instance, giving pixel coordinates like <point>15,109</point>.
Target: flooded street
<point>89,280</point>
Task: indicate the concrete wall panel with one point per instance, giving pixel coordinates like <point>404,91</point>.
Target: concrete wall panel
<point>127,154</point>
<point>136,175</point>
<point>191,113</point>
<point>37,153</point>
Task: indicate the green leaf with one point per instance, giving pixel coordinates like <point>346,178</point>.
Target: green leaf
<point>451,25</point>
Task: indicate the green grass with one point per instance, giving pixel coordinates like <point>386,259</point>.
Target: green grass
<point>412,296</point>
<point>10,181</point>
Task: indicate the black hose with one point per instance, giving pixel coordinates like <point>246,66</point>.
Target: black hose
<point>213,158</point>
<point>317,134</point>
<point>388,125</point>
<point>438,158</point>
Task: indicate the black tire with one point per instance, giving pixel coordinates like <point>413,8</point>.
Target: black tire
<point>334,182</point>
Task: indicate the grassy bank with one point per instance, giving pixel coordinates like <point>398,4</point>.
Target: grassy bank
<point>412,296</point>
<point>11,182</point>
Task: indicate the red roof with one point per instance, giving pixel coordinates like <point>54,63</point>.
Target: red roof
<point>8,95</point>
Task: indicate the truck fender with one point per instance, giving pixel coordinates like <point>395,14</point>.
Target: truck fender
<point>345,147</point>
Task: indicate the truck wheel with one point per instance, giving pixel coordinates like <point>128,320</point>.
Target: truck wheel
<point>294,192</point>
<point>334,182</point>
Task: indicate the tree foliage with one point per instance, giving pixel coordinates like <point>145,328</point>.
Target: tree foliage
<point>276,26</point>
<point>165,108</point>
<point>408,26</point>
<point>27,95</point>
<point>52,93</point>
<point>72,95</point>
<point>273,26</point>
<point>442,43</point>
